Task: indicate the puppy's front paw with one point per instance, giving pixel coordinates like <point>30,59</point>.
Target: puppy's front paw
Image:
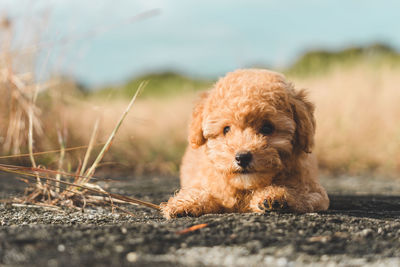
<point>191,202</point>
<point>273,204</point>
<point>172,210</point>
<point>271,198</point>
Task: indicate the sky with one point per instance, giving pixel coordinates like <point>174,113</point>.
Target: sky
<point>97,43</point>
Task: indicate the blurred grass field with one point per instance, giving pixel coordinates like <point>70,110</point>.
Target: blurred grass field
<point>356,92</point>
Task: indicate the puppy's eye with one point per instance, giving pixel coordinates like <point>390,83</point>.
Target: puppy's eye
<point>226,129</point>
<point>267,128</point>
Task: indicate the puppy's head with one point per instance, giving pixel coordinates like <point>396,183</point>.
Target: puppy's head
<point>251,124</point>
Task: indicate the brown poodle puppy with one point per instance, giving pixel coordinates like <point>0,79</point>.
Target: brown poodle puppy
<point>250,150</point>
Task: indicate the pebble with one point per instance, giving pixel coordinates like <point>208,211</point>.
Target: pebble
<point>131,257</point>
<point>61,248</point>
<point>119,248</point>
<point>366,233</point>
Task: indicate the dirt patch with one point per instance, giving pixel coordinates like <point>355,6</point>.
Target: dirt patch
<point>362,227</point>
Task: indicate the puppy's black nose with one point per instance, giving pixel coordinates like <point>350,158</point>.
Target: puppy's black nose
<point>243,159</point>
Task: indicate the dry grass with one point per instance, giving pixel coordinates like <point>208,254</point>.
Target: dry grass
<point>23,127</point>
<point>358,118</point>
<point>54,188</point>
<point>29,125</point>
<point>152,139</point>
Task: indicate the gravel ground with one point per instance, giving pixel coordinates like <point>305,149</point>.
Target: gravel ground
<point>361,228</point>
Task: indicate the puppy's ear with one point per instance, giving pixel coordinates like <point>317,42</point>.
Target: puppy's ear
<point>303,115</point>
<point>196,137</point>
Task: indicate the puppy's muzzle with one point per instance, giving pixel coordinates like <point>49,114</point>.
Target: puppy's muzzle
<point>243,159</point>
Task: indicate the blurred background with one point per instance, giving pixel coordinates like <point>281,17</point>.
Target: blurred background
<point>67,63</point>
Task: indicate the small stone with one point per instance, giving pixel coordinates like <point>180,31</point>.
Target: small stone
<point>281,262</point>
<point>52,263</point>
<point>341,235</point>
<point>324,257</point>
<point>119,248</point>
<point>366,232</point>
<point>320,238</point>
<point>131,257</point>
<point>61,248</point>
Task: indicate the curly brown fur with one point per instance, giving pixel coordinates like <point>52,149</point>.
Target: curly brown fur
<point>250,140</point>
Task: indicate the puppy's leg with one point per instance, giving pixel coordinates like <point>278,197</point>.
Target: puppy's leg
<point>298,199</point>
<point>268,199</point>
<point>190,202</point>
<point>308,198</point>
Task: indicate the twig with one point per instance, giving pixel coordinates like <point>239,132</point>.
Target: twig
<point>36,206</point>
<point>48,152</point>
<point>192,228</point>
<point>89,150</point>
<point>61,159</point>
<point>102,192</point>
<point>107,145</point>
<point>30,142</point>
<point>47,171</point>
<point>106,199</point>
